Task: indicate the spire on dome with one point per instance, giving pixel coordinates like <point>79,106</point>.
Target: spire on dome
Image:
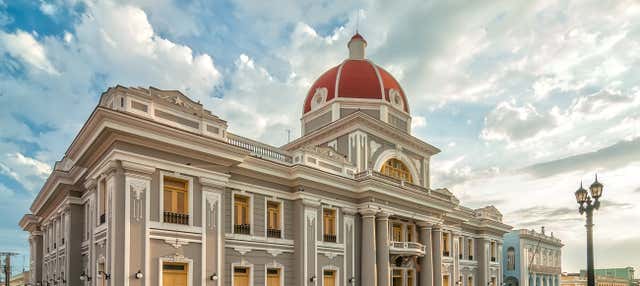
<point>356,47</point>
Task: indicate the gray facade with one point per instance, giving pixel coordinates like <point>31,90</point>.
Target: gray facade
<point>154,189</point>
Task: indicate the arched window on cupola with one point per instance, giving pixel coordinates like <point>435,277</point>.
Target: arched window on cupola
<point>396,169</point>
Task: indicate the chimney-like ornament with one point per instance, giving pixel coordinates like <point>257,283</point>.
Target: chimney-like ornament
<point>356,46</point>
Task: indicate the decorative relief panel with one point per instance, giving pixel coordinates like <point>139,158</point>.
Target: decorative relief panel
<point>138,189</point>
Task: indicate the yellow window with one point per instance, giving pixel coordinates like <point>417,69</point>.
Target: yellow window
<point>445,280</point>
<point>329,278</point>
<point>273,215</point>
<point>273,277</point>
<point>396,232</point>
<point>174,274</point>
<point>329,219</point>
<point>410,234</point>
<point>396,169</point>
<point>241,210</point>
<point>176,195</point>
<point>470,281</point>
<point>396,277</point>
<point>241,276</point>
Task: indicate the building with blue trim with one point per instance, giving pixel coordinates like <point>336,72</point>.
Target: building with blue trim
<point>531,258</point>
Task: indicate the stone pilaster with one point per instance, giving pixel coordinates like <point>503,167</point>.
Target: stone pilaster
<point>382,248</point>
<point>213,224</point>
<point>136,184</point>
<point>426,261</point>
<point>368,252</point>
<point>483,261</point>
<point>437,256</point>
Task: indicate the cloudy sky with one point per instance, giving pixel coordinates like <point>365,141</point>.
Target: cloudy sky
<point>525,98</point>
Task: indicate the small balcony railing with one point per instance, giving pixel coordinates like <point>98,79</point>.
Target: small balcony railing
<point>493,259</point>
<point>177,218</point>
<point>330,238</point>
<point>272,232</point>
<point>445,253</point>
<point>406,248</point>
<point>242,228</point>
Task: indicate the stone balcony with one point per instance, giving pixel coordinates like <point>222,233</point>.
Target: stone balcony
<point>406,248</point>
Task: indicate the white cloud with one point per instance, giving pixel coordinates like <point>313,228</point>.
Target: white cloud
<point>418,121</point>
<point>24,46</point>
<point>29,172</point>
<point>48,8</point>
<point>510,122</point>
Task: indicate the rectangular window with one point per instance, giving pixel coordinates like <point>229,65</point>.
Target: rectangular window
<point>176,200</point>
<point>493,251</point>
<point>445,280</point>
<point>102,197</point>
<point>410,234</point>
<point>470,281</point>
<point>396,277</point>
<point>329,278</point>
<point>273,277</point>
<point>445,244</point>
<point>396,232</point>
<point>493,281</point>
<point>329,225</point>
<point>241,276</point>
<point>273,219</point>
<point>241,215</point>
<point>460,248</point>
<point>470,248</point>
<point>174,273</point>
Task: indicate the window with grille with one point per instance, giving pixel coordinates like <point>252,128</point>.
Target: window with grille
<point>396,169</point>
<point>329,225</point>
<point>273,219</point>
<point>176,200</point>
<point>241,214</point>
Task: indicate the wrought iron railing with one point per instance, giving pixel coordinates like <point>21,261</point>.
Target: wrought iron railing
<point>330,238</point>
<point>272,232</point>
<point>177,218</point>
<point>242,228</point>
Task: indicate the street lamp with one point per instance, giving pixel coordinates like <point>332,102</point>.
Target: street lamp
<point>587,205</point>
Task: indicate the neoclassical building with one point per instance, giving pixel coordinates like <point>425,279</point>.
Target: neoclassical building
<point>532,258</point>
<point>155,191</point>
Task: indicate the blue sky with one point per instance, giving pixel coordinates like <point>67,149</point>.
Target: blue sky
<point>525,98</point>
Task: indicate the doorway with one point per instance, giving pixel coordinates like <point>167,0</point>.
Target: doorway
<point>174,274</point>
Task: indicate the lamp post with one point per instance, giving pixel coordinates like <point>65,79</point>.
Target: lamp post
<point>587,206</point>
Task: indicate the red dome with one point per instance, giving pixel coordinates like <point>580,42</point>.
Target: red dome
<point>360,79</point>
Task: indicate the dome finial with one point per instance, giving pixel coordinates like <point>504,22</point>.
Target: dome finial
<point>356,47</point>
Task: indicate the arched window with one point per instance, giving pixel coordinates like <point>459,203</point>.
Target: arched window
<point>511,259</point>
<point>396,169</point>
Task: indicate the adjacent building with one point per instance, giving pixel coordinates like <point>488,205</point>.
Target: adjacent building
<point>531,258</point>
<point>580,279</point>
<point>154,190</point>
<point>626,273</point>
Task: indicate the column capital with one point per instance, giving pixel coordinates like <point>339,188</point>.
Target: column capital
<point>424,224</point>
<point>368,212</point>
<point>382,215</point>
